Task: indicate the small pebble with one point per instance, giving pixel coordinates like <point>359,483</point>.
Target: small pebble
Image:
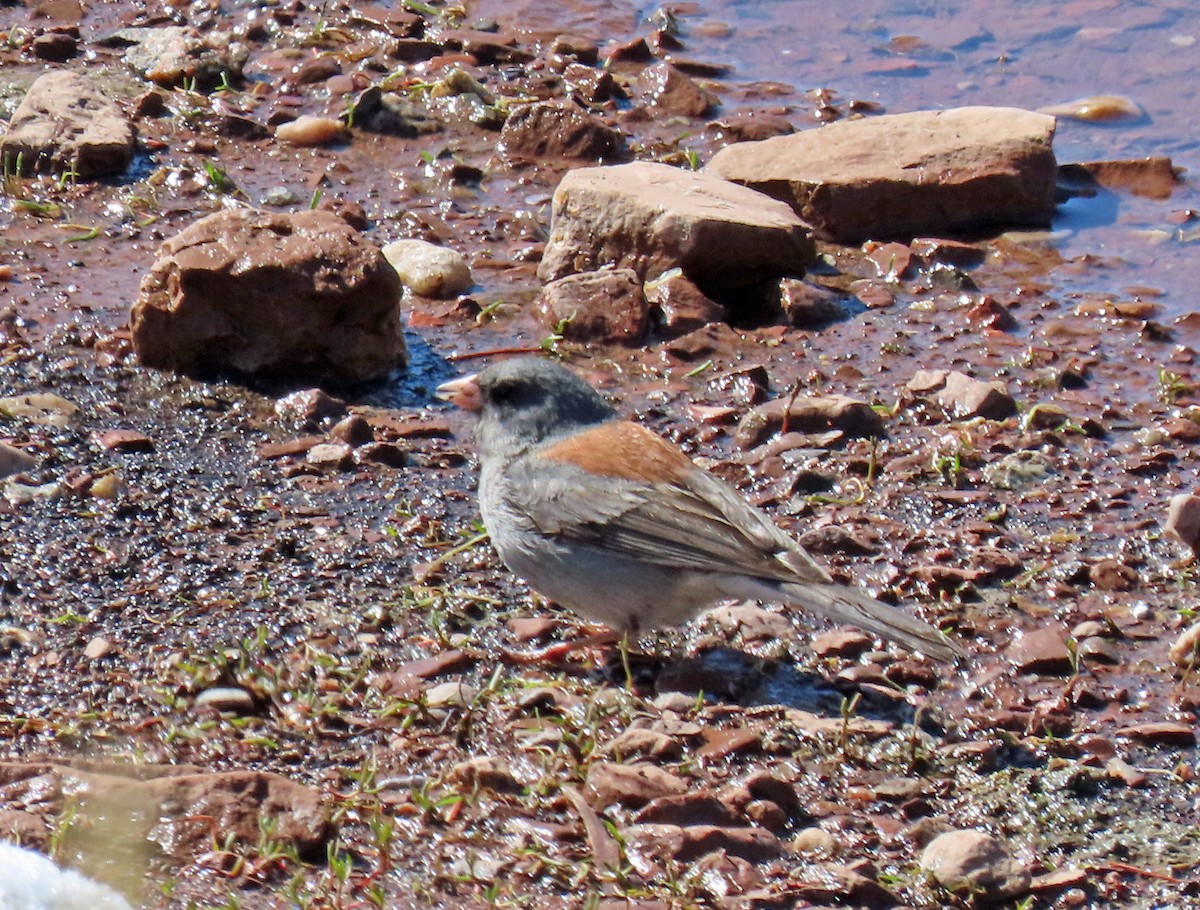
<point>307,131</point>
<point>226,698</point>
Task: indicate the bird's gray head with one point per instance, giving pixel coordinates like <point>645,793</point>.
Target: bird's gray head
<point>524,402</point>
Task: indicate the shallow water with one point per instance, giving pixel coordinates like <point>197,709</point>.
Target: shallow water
<point>913,55</point>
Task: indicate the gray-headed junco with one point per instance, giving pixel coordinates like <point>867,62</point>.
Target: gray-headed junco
<point>603,516</point>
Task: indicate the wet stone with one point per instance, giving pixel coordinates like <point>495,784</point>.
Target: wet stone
<point>837,885</point>
<point>309,406</point>
<point>814,842</point>
<point>926,171</point>
<point>606,306</point>
<point>847,643</point>
<point>1043,651</point>
<point>14,460</point>
<point>975,863</point>
<point>428,269</point>
<point>638,742</point>
<point>57,47</point>
<point>695,808</point>
<point>685,845</point>
<point>1166,733</point>
<point>488,772</point>
<point>674,92</point>
<point>225,698</point>
<point>806,304</point>
<point>585,50</point>
<point>193,309</point>
<point>767,814</point>
<point>1098,650</point>
<point>751,126</point>
<point>171,55</point>
<point>1154,177</point>
<point>353,430</point>
<point>652,217</point>
<point>1110,575</point>
<point>805,414</point>
<point>962,395</point>
<point>333,456</point>
<point>65,124</point>
<point>632,785</point>
<point>1185,650</point>
<point>678,306</point>
<point>559,130</point>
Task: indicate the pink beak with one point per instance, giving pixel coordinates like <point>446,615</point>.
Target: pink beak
<point>463,393</point>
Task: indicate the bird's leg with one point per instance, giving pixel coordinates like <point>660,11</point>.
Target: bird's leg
<point>623,647</point>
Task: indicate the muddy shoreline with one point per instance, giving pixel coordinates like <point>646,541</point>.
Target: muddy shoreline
<point>351,621</point>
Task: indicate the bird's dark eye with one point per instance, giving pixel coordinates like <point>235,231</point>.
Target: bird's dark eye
<point>503,392</point>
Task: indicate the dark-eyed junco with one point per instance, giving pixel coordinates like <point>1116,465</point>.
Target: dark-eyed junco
<point>603,516</point>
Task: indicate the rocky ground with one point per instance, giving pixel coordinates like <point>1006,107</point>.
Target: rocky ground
<point>259,652</point>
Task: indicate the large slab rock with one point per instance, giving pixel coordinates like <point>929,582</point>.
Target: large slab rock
<point>65,124</point>
<point>181,813</point>
<point>928,171</point>
<point>652,217</point>
<point>299,294</point>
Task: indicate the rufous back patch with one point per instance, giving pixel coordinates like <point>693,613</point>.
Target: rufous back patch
<point>623,449</point>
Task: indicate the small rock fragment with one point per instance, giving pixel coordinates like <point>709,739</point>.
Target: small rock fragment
<point>450,695</point>
<point>847,643</point>
<point>814,842</point>
<point>639,742</point>
<point>124,441</point>
<point>585,50</point>
<point>14,460</point>
<point>429,270</point>
<point>57,47</point>
<point>1097,109</point>
<point>486,771</point>
<point>307,130</point>
<point>1154,177</point>
<point>334,456</point>
<point>1185,651</point>
<point>226,698</point>
<point>976,863</point>
<point>1167,733</point>
<point>695,808</point>
<point>674,92</point>
<point>632,785</point>
<point>171,56</point>
<point>1110,575</point>
<point>806,304</point>
<point>679,306</point>
<point>560,130</point>
<point>607,306</point>
<point>805,414</point>
<point>1119,769</point>
<point>963,396</point>
<point>354,430</point>
<point>1042,651</point>
<point>98,647</point>
<point>685,845</point>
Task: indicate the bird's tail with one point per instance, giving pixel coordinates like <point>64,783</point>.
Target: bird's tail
<point>849,605</point>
